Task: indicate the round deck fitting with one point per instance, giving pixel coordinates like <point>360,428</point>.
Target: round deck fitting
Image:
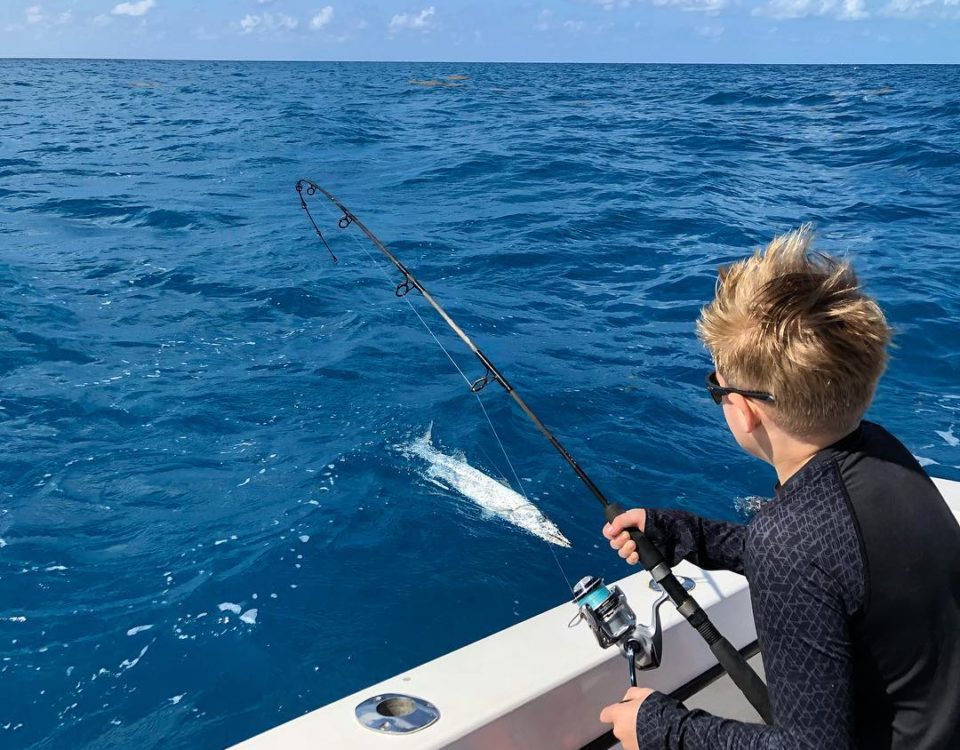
<point>394,713</point>
<point>688,584</point>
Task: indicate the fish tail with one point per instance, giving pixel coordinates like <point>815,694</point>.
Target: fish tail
<point>425,439</point>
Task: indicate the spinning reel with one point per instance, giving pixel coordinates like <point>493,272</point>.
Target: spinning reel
<point>614,622</point>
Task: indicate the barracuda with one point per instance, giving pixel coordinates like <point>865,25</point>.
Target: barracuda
<point>484,491</point>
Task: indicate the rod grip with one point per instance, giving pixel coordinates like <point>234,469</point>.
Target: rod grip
<point>650,556</point>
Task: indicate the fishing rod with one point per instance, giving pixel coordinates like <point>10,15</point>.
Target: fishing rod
<point>731,660</point>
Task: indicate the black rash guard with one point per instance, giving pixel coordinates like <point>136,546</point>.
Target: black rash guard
<point>854,572</point>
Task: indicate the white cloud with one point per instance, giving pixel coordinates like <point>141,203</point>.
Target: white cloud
<point>852,10</point>
<point>705,6</point>
<point>268,22</point>
<point>710,7</point>
<point>102,20</point>
<point>35,15</point>
<point>793,8</point>
<point>905,7</point>
<point>140,8</point>
<point>611,4</point>
<point>285,22</point>
<point>930,9</point>
<point>322,18</point>
<point>546,22</point>
<point>248,23</point>
<point>422,21</point>
<point>845,10</point>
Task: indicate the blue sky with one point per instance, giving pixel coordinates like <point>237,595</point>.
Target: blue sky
<point>772,31</point>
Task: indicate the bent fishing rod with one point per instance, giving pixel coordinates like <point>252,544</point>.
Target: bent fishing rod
<point>731,660</point>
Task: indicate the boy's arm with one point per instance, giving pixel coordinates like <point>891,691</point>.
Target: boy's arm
<point>802,625</point>
<point>713,545</point>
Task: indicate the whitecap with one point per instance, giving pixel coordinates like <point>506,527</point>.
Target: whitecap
<point>747,506</point>
<point>949,438</point>
<point>131,663</point>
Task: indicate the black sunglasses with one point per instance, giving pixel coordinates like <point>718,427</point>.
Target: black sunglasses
<point>718,391</point>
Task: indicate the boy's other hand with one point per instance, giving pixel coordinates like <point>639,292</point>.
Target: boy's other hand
<point>620,539</point>
<point>623,716</point>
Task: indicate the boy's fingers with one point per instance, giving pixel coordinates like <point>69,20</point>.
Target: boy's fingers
<point>633,559</point>
<point>630,519</point>
<point>620,540</point>
<point>627,549</point>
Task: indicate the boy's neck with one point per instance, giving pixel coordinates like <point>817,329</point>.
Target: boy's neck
<point>787,467</point>
<point>792,453</point>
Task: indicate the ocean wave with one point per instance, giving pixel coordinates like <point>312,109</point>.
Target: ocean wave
<point>108,212</point>
<point>743,97</point>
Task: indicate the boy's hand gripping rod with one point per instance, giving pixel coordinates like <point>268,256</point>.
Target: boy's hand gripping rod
<point>728,657</point>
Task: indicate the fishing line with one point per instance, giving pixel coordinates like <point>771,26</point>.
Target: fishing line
<point>378,264</point>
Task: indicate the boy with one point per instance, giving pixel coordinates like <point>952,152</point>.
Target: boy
<point>854,566</point>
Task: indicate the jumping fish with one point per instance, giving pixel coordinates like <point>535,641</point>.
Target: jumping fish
<point>485,491</point>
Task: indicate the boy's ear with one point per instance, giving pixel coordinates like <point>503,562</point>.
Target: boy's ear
<point>745,413</point>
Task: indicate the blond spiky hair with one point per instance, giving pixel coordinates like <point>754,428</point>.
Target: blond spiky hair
<point>796,324</point>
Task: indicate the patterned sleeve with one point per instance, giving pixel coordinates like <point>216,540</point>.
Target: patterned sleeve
<point>713,545</point>
<point>802,625</point>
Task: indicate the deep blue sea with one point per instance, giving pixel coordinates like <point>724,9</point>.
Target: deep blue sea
<point>205,528</point>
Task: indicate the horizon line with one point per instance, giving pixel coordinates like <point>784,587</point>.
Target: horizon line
<point>458,62</point>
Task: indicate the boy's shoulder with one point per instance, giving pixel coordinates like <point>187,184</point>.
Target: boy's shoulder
<point>866,461</point>
<point>819,498</point>
<point>809,527</point>
<point>801,509</point>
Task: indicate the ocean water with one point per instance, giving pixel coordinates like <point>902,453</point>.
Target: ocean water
<point>205,526</point>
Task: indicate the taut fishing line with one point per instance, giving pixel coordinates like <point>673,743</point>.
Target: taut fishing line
<point>611,617</point>
<point>476,392</point>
